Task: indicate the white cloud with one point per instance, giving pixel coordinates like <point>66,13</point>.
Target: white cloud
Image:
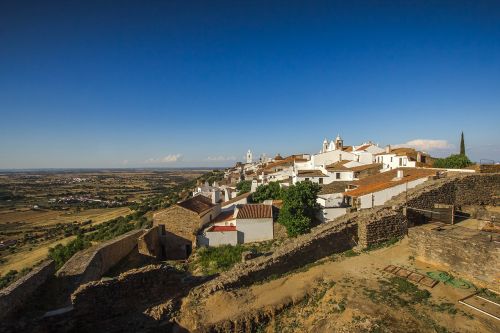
<point>171,158</point>
<point>221,158</point>
<point>125,162</point>
<point>427,144</point>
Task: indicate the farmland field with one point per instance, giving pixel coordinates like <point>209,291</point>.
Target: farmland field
<point>41,209</point>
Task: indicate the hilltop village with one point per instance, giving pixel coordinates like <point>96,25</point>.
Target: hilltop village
<point>349,239</point>
<point>349,178</point>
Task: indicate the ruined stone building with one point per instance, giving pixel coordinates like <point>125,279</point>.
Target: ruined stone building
<point>180,223</point>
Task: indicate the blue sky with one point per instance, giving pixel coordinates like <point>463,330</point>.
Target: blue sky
<point>188,83</point>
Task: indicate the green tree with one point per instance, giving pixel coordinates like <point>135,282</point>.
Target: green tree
<point>299,207</point>
<point>462,145</point>
<point>271,191</point>
<point>457,161</point>
<point>244,186</point>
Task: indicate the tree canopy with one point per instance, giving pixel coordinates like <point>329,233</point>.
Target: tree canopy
<point>299,207</point>
<point>462,145</point>
<point>457,161</point>
<point>244,186</point>
<point>271,191</point>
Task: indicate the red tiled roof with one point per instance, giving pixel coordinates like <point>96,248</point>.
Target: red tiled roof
<point>197,204</point>
<point>338,166</point>
<point>367,166</point>
<point>219,228</point>
<point>384,180</point>
<point>311,173</point>
<point>224,216</point>
<point>255,211</point>
<point>363,147</point>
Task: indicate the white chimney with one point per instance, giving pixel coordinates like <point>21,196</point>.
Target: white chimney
<point>387,149</point>
<point>399,174</point>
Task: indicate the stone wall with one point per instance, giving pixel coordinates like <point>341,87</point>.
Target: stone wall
<point>468,253</point>
<point>13,296</point>
<point>93,263</point>
<point>323,241</point>
<point>149,243</point>
<point>363,228</point>
<point>132,291</point>
<point>460,190</point>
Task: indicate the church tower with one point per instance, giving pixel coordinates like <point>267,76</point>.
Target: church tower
<point>325,146</point>
<point>249,157</point>
<point>339,143</point>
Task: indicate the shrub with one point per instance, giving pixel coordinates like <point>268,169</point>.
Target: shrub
<point>217,259</point>
<point>62,253</point>
<point>457,161</point>
<point>299,207</point>
<point>244,186</point>
<point>8,278</point>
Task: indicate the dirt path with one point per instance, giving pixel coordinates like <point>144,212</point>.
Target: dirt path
<point>342,294</point>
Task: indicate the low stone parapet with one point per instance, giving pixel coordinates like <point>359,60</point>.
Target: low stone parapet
<point>15,295</point>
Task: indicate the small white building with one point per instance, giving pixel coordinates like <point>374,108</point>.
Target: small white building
<point>219,235</point>
<point>245,224</point>
<point>255,222</point>
<point>314,176</point>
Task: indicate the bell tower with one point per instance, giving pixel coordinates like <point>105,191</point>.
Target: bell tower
<point>249,156</point>
<point>339,143</point>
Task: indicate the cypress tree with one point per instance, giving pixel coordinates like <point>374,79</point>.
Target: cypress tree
<point>462,145</point>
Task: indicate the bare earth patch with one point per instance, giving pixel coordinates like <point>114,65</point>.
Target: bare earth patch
<point>344,293</point>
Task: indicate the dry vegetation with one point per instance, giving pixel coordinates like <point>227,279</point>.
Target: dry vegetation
<point>41,209</point>
<point>343,293</point>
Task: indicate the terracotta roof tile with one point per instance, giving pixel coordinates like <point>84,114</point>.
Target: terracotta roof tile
<point>311,173</point>
<point>338,166</point>
<point>219,228</point>
<point>384,180</point>
<point>197,204</point>
<point>255,211</point>
<point>224,216</point>
<point>367,167</point>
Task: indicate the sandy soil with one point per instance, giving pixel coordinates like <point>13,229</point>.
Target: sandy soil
<point>343,294</point>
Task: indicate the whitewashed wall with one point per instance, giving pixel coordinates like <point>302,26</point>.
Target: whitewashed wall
<point>217,238</point>
<point>328,214</point>
<point>332,157</point>
<point>380,197</point>
<point>255,230</point>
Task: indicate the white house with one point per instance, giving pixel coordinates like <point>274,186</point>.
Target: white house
<point>212,192</point>
<point>375,190</point>
<point>393,158</point>
<point>332,201</point>
<point>245,224</point>
<point>255,222</point>
<point>315,176</point>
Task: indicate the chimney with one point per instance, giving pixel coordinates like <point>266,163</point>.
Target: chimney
<point>419,157</point>
<point>387,149</point>
<point>399,174</point>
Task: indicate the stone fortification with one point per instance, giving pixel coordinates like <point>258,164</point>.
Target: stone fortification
<point>15,295</point>
<point>92,263</point>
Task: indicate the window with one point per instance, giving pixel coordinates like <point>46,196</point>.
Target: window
<point>321,180</point>
<point>307,179</point>
<point>400,161</point>
<point>337,175</point>
<point>391,159</point>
